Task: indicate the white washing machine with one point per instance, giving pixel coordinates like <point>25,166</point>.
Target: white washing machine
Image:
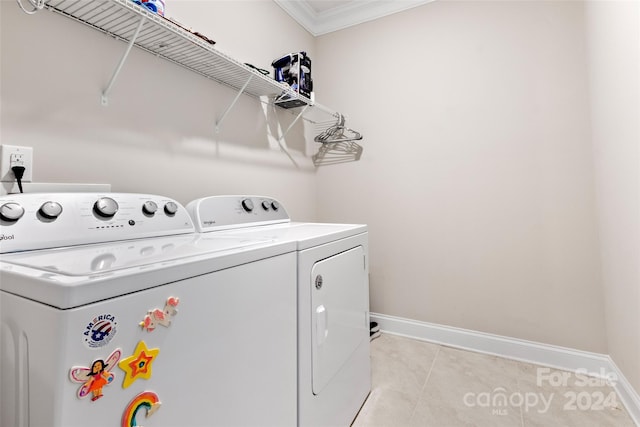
<point>334,368</point>
<point>114,312</point>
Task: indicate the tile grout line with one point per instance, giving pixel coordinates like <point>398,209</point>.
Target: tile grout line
<point>424,386</point>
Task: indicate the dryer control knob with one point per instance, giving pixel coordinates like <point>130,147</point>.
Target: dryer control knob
<point>247,205</point>
<point>149,207</point>
<point>11,211</point>
<point>50,210</point>
<point>275,206</point>
<point>170,208</point>
<point>105,207</point>
<point>266,205</point>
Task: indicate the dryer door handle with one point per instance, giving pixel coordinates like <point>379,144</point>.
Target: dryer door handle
<point>321,325</point>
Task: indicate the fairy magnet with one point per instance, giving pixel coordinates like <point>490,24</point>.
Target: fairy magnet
<point>96,377</point>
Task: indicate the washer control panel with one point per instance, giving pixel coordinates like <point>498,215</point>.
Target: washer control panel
<point>225,212</point>
<point>50,220</point>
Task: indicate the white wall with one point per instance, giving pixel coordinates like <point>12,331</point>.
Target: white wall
<point>157,135</point>
<point>477,177</point>
<point>614,65</point>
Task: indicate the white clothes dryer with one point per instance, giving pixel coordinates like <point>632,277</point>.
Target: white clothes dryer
<point>111,306</point>
<point>334,368</point>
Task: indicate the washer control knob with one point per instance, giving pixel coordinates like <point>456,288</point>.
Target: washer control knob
<point>149,207</point>
<point>170,208</point>
<point>319,282</point>
<point>247,205</point>
<point>50,210</point>
<point>105,207</point>
<point>11,211</point>
<point>275,206</point>
<point>266,205</point>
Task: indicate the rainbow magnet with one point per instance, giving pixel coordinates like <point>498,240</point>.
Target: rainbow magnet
<point>138,365</point>
<point>147,400</point>
<point>93,379</point>
<point>156,317</point>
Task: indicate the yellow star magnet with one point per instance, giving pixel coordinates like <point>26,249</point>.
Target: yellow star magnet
<point>139,364</point>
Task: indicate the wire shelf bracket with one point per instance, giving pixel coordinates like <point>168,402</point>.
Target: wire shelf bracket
<point>284,134</point>
<point>233,103</point>
<point>104,99</point>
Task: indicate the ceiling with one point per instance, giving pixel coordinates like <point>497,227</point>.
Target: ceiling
<point>324,16</point>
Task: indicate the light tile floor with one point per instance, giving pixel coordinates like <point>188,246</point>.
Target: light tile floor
<point>417,383</point>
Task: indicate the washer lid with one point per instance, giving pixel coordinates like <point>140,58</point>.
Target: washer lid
<point>74,276</point>
<point>90,260</point>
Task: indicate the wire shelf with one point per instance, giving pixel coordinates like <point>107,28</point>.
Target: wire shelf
<point>166,39</point>
<point>129,22</point>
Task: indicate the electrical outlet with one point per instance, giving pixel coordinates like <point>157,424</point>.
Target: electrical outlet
<point>16,159</point>
<point>13,155</point>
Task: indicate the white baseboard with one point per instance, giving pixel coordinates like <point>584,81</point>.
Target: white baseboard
<point>627,394</point>
<point>516,349</point>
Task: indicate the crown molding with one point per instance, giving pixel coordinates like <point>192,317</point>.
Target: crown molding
<point>341,17</point>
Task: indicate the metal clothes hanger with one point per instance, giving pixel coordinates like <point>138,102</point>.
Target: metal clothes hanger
<point>337,152</point>
<point>338,133</point>
<point>338,145</point>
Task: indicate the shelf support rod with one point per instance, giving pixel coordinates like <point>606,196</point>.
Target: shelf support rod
<point>326,110</point>
<point>292,124</point>
<point>224,115</point>
<point>105,93</point>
